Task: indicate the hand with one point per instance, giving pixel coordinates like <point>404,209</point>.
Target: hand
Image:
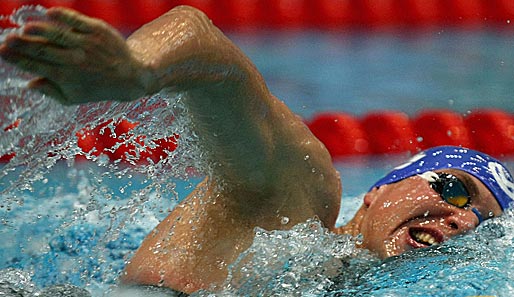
<point>76,59</point>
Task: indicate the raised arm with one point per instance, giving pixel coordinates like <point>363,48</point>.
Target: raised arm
<point>270,165</point>
<point>260,147</point>
<point>231,106</point>
<point>246,130</point>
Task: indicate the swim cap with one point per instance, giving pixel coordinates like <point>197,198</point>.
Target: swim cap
<point>493,174</point>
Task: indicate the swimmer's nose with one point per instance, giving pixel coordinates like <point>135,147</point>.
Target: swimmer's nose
<point>463,221</point>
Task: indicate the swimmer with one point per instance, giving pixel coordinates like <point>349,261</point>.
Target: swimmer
<point>269,165</point>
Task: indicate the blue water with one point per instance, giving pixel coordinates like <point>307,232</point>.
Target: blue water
<point>68,223</point>
<point>359,71</point>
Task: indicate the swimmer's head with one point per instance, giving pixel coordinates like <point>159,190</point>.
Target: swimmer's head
<point>440,193</point>
<point>491,172</point>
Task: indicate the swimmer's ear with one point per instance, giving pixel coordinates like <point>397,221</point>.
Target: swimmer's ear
<point>370,197</point>
<point>48,88</point>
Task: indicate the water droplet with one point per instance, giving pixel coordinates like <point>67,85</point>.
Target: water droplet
<point>359,239</point>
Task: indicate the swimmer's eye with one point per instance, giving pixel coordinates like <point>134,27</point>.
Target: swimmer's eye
<point>452,190</point>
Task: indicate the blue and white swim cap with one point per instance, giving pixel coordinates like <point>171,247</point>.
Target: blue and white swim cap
<point>493,174</point>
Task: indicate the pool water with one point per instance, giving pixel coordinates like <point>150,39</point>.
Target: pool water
<point>70,225</point>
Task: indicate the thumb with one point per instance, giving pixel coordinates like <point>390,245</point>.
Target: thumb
<point>48,88</point>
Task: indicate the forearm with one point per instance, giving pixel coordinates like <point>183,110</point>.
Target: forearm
<point>226,96</point>
<point>183,50</point>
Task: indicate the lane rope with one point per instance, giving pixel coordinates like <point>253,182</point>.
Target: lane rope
<point>391,132</point>
<point>345,135</point>
<point>127,15</point>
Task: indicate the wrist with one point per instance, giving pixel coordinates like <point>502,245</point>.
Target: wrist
<point>148,81</point>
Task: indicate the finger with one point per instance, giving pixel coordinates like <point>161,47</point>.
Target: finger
<point>59,35</point>
<point>48,88</point>
<point>29,64</point>
<point>38,48</point>
<point>72,18</point>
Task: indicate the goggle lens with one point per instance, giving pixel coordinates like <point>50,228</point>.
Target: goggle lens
<point>452,190</point>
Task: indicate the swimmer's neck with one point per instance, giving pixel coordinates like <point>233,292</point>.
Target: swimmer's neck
<point>353,227</point>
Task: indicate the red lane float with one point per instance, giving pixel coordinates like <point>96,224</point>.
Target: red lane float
<point>333,14</point>
<point>466,12</point>
<point>440,127</point>
<point>140,12</point>
<point>111,11</point>
<point>121,145</point>
<point>492,131</point>
<point>341,133</point>
<point>376,133</point>
<point>389,132</point>
<point>128,15</point>
<point>7,157</point>
<point>421,12</point>
<point>500,11</point>
<point>287,13</point>
<point>243,14</point>
<point>379,13</point>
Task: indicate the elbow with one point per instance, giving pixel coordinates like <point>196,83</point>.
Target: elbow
<point>183,49</point>
<point>186,10</point>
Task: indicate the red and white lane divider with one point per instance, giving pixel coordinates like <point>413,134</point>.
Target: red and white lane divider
<point>391,132</point>
<point>377,133</point>
<point>237,14</point>
<point>118,145</point>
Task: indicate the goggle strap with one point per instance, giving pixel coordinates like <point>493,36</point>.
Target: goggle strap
<point>478,214</point>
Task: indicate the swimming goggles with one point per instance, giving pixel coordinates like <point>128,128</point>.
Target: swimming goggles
<point>453,191</point>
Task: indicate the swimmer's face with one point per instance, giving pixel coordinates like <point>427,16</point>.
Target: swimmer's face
<point>411,214</point>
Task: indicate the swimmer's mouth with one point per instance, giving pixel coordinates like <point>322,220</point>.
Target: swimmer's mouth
<point>423,238</point>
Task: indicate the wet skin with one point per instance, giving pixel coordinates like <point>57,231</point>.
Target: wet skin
<point>410,214</point>
<point>260,145</point>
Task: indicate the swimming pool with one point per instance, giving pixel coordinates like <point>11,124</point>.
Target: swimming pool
<point>76,223</point>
